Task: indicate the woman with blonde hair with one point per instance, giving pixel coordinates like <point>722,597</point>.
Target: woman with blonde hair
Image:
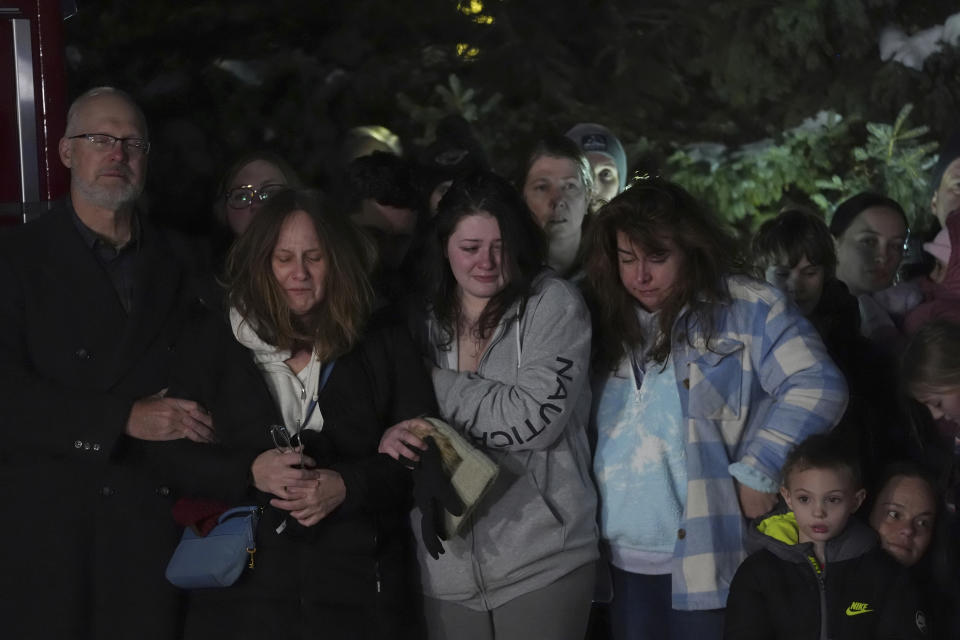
<point>930,376</point>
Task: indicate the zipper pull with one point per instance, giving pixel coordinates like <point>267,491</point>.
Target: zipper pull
<point>251,551</point>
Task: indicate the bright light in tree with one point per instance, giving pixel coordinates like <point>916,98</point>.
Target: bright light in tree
<point>464,50</point>
<point>474,8</point>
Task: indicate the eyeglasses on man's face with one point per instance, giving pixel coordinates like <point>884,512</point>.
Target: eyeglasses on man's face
<point>106,142</point>
<point>243,197</point>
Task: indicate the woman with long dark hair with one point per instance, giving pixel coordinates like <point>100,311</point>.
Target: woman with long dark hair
<point>509,344</point>
<point>870,231</point>
<point>705,377</point>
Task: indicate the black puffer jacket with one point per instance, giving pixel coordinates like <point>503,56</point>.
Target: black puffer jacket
<point>780,592</point>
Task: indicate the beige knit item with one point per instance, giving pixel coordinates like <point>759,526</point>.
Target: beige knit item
<point>471,473</point>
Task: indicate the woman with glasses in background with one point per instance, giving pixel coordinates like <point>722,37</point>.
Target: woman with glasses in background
<point>297,350</point>
<point>247,184</point>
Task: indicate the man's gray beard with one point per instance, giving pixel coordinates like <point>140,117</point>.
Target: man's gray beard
<point>112,199</point>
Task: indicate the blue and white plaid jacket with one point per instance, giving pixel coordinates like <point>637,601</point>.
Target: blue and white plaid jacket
<point>764,384</point>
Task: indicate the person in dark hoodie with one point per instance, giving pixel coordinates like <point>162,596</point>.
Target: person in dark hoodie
<point>910,516</point>
<point>796,253</point>
<point>819,574</point>
<point>379,194</point>
<point>454,152</point>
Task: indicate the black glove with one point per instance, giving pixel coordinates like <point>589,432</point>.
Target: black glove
<point>432,492</point>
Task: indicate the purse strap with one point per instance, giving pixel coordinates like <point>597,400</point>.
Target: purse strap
<point>237,512</point>
<point>325,372</point>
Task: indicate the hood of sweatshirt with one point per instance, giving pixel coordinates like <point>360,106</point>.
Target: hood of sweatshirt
<point>777,532</point>
<point>246,334</point>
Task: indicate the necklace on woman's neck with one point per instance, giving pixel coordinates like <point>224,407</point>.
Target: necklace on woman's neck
<point>471,331</point>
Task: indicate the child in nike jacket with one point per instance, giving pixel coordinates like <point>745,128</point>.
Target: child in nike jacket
<point>820,575</point>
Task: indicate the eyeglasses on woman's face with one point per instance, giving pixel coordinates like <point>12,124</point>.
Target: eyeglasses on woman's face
<point>243,197</point>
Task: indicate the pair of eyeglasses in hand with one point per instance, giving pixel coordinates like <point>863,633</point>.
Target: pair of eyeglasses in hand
<point>285,442</point>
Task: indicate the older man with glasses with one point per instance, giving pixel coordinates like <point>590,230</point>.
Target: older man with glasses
<point>93,299</point>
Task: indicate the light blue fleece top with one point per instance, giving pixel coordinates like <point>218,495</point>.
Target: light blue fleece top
<point>640,463</point>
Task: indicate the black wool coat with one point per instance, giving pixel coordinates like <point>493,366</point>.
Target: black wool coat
<point>86,530</point>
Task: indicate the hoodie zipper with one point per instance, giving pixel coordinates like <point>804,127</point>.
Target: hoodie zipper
<point>475,560</point>
<point>822,588</point>
<point>497,337</point>
<point>376,560</point>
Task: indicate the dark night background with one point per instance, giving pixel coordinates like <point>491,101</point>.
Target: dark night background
<point>218,78</point>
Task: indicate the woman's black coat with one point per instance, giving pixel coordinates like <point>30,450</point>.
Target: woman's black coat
<point>351,574</point>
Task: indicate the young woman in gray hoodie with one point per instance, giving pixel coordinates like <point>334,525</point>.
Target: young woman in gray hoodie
<point>509,346</point>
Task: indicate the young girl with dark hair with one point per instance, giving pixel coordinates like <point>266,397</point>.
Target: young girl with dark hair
<point>509,345</point>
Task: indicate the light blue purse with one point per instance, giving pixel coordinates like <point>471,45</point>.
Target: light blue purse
<point>217,559</point>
